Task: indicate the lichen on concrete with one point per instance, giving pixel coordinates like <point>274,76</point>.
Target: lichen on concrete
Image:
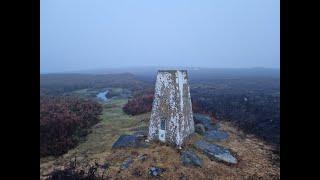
<point>172,104</point>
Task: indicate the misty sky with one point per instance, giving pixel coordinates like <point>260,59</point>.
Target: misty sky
<point>89,34</point>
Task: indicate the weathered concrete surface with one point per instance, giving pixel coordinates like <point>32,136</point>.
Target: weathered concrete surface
<point>215,152</point>
<point>171,106</point>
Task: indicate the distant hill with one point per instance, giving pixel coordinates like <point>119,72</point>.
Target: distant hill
<point>148,74</point>
<point>219,72</point>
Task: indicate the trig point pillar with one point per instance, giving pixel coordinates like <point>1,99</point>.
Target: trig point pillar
<point>171,117</point>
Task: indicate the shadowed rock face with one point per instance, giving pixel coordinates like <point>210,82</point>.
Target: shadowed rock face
<point>172,109</point>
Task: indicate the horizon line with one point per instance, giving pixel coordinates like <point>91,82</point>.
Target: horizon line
<point>126,67</point>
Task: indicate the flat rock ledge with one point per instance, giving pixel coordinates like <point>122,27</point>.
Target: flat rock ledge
<point>125,141</point>
<point>206,121</point>
<point>216,135</point>
<point>215,152</point>
<point>189,157</point>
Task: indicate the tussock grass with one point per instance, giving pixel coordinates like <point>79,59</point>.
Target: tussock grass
<point>255,157</point>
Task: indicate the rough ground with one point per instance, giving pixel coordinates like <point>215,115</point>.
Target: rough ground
<point>256,158</point>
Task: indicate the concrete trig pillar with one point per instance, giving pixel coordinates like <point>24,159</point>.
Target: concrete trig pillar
<point>171,117</point>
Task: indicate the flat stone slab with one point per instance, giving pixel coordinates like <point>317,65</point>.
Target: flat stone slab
<point>191,158</point>
<point>215,152</point>
<point>205,120</point>
<point>216,135</point>
<point>128,141</point>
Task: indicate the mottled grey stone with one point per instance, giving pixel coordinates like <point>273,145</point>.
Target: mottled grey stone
<point>200,129</point>
<point>216,152</point>
<point>155,171</point>
<point>206,121</point>
<point>191,158</point>
<point>126,163</point>
<point>216,135</point>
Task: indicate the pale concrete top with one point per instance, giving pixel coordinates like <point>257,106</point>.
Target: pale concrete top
<point>171,70</point>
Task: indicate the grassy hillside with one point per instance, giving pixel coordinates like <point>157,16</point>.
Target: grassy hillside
<point>98,143</point>
<point>256,159</point>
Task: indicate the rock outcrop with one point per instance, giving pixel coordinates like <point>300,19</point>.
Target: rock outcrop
<point>215,152</point>
<point>206,121</point>
<point>216,135</point>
